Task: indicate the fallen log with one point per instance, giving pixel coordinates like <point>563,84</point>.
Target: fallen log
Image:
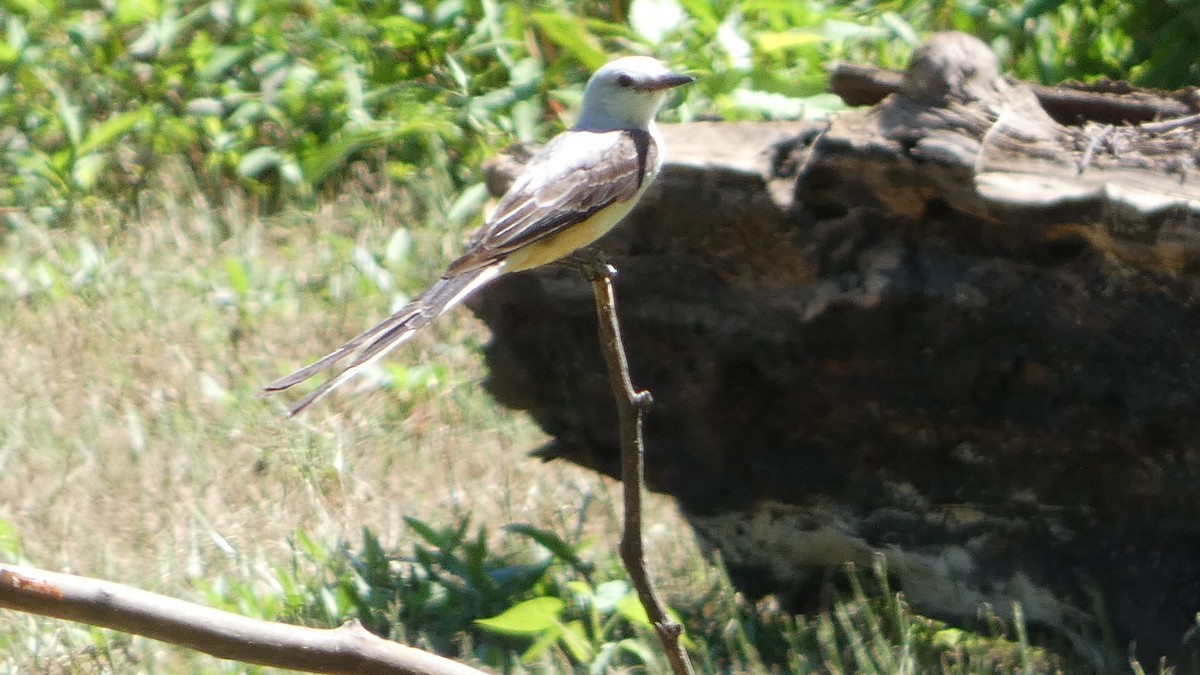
<point>947,329</point>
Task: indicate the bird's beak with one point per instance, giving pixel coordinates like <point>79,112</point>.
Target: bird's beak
<point>665,81</point>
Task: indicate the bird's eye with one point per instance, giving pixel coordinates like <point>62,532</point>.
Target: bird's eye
<point>624,80</point>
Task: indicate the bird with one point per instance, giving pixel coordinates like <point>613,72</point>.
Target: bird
<point>573,191</point>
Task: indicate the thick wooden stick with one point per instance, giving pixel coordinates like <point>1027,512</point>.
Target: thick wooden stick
<point>349,649</point>
<point>631,405</point>
<point>1113,103</point>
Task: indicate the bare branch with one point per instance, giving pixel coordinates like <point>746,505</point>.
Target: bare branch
<point>631,405</point>
<point>1169,125</point>
<point>349,649</point>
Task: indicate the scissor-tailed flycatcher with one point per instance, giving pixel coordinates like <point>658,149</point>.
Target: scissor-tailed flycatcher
<point>570,194</point>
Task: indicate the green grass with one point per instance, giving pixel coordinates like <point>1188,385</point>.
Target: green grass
<point>136,449</point>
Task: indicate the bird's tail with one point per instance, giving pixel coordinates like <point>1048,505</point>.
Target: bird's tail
<point>388,334</point>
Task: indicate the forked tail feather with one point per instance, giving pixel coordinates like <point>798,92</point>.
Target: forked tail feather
<point>388,334</point>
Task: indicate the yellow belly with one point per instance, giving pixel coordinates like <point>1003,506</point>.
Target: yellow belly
<point>568,240</point>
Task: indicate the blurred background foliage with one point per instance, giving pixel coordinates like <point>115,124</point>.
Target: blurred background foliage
<point>288,100</point>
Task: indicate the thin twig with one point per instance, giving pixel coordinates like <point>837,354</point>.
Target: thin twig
<point>1168,125</point>
<point>988,135</point>
<point>1089,153</point>
<point>631,406</point>
<point>348,649</point>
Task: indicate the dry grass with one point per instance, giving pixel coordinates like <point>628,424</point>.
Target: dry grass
<point>134,447</point>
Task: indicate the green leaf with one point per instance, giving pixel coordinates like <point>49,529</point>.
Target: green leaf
<point>775,41</point>
<point>18,35</point>
<point>45,167</point>
<point>8,55</point>
<point>525,117</point>
<point>322,160</point>
<point>259,160</point>
<point>222,59</point>
<point>355,91</point>
<point>399,246</point>
<point>631,608</point>
<point>318,162</point>
<point>654,19</point>
<point>10,542</point>
<point>569,33</point>
<point>543,642</point>
<point>603,660</point>
<point>581,592</point>
<point>370,268</point>
<point>574,639</point>
<point>551,542</point>
<point>610,593</point>
<point>468,205</point>
<point>528,618</point>
<point>292,173</point>
<point>245,114</point>
<point>516,579</point>
<point>239,281</point>
<point>205,107</point>
<point>424,531</point>
<point>638,649</point>
<point>129,12</point>
<point>86,170</point>
<point>947,638</point>
<point>110,130</point>
<point>402,31</point>
<point>69,115</point>
<point>702,11</point>
<point>901,28</point>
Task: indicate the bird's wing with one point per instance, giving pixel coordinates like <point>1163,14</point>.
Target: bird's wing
<point>576,175</point>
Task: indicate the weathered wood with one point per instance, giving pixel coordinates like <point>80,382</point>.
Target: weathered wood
<point>946,329</point>
<point>1103,102</point>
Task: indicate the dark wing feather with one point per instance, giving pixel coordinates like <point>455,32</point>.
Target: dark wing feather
<point>574,176</point>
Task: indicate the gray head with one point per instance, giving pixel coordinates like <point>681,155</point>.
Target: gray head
<point>626,94</point>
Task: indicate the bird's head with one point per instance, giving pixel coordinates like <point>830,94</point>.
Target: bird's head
<point>626,94</point>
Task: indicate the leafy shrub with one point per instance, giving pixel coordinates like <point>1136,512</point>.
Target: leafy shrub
<point>275,97</point>
<point>543,605</point>
<point>286,99</point>
<point>455,595</point>
<point>1153,44</point>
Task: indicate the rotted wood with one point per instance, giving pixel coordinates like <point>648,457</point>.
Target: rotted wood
<point>947,329</point>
